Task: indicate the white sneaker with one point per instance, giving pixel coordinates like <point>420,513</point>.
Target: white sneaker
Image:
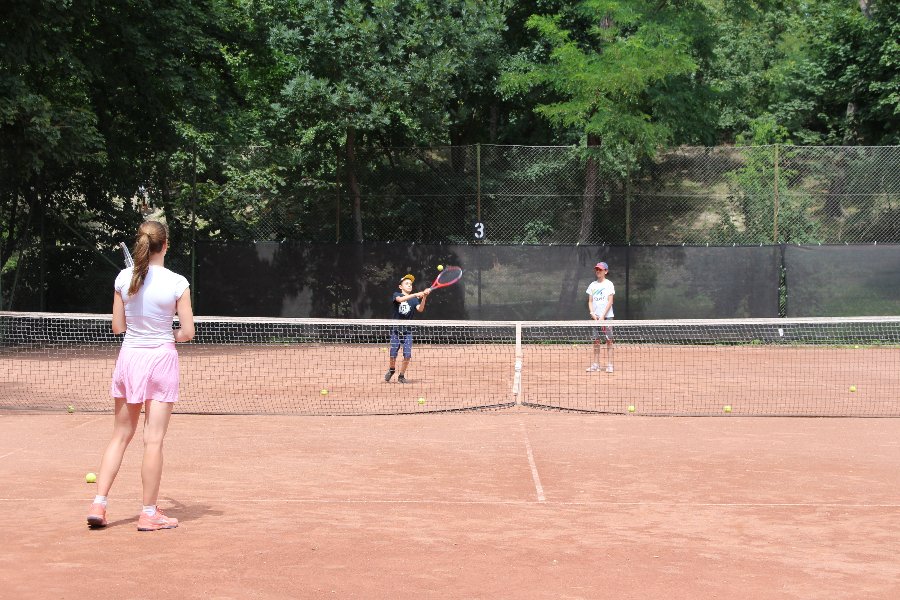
<point>609,369</point>
<point>593,367</point>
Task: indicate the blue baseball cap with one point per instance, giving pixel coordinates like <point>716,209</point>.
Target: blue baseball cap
<point>601,265</point>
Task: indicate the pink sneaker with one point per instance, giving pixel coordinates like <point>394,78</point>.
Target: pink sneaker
<point>156,521</point>
<point>96,516</point>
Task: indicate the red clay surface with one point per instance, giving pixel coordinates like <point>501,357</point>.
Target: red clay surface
<point>655,379</point>
<point>509,504</point>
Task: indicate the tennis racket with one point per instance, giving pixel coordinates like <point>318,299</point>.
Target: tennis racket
<point>129,262</point>
<point>448,276</point>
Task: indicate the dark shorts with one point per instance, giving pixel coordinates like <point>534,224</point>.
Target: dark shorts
<point>404,336</point>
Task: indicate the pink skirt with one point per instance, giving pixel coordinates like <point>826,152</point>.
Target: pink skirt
<point>146,374</point>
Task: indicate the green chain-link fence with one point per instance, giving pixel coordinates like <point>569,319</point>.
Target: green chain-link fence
<point>555,195</point>
<point>488,194</point>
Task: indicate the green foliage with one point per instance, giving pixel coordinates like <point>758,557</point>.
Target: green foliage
<point>824,70</point>
<point>388,69</point>
<point>91,99</point>
<point>235,116</point>
<point>769,209</point>
<point>609,69</point>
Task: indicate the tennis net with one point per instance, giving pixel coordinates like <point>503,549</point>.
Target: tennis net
<point>803,367</point>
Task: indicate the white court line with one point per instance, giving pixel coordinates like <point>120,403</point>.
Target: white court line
<point>534,472</point>
<point>523,503</point>
<point>86,423</point>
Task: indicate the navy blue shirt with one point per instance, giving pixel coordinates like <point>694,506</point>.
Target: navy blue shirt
<point>404,310</point>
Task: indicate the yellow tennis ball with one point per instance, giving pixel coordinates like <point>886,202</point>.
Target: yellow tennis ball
<point>852,388</point>
<point>727,408</point>
<point>631,408</point>
<point>324,392</point>
<point>421,400</point>
<point>440,267</point>
<point>70,409</point>
<point>91,478</point>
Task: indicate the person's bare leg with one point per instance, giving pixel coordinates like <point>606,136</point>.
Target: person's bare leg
<point>125,424</point>
<point>156,422</point>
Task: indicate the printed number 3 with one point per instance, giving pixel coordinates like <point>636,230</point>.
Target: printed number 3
<point>479,231</point>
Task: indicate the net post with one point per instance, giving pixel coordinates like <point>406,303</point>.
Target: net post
<point>517,374</point>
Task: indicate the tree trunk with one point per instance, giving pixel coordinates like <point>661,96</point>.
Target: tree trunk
<point>866,7</point>
<point>32,197</point>
<point>495,119</point>
<point>589,198</point>
<point>354,185</point>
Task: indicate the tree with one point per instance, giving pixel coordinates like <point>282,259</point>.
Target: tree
<point>358,76</point>
<point>827,71</point>
<point>856,56</point>
<point>622,75</point>
<point>94,99</point>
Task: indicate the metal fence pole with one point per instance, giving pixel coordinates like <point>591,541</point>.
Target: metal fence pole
<point>478,214</point>
<point>194,233</point>
<point>42,260</point>
<point>776,202</point>
<point>337,185</point>
<point>628,210</point>
<point>478,183</point>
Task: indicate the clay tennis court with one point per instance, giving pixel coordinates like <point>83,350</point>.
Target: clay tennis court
<point>490,482</point>
<point>347,379</point>
<point>517,503</point>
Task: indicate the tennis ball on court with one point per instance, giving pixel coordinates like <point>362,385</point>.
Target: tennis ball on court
<point>631,408</point>
<point>324,392</point>
<point>421,400</point>
<point>440,267</point>
<point>727,408</point>
<point>91,478</point>
<point>852,388</point>
<point>70,409</point>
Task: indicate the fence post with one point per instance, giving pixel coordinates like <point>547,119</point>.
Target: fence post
<point>477,215</point>
<point>628,209</point>
<point>478,183</point>
<point>43,259</point>
<point>776,202</point>
<point>337,184</point>
<point>194,232</point>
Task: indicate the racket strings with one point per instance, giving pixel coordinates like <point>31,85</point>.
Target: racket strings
<point>449,275</point>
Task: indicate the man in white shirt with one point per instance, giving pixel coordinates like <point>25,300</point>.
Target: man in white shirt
<point>600,304</point>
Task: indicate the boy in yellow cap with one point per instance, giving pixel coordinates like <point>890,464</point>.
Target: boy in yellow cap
<point>405,305</point>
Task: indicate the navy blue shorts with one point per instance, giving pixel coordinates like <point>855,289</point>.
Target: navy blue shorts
<point>404,334</point>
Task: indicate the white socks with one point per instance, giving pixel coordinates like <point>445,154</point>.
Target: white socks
<point>147,510</point>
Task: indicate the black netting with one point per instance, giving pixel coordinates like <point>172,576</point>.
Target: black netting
<point>271,279</point>
<point>839,281</point>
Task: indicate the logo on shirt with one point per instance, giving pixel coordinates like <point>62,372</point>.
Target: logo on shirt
<point>403,309</point>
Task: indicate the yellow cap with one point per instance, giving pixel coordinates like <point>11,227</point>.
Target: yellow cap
<point>408,276</point>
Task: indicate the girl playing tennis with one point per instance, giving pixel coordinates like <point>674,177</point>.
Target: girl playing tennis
<point>146,298</point>
<point>406,304</point>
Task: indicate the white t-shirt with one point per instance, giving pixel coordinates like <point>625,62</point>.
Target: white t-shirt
<point>149,313</point>
<point>600,293</point>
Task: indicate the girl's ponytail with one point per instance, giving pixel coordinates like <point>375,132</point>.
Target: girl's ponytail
<point>150,239</point>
